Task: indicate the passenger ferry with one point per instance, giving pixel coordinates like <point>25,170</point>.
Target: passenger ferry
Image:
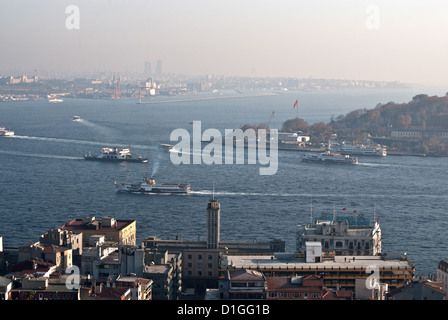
<point>115,155</point>
<point>372,150</point>
<point>329,157</point>
<point>150,186</point>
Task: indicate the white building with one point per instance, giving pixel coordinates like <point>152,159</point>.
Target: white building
<point>342,236</point>
<point>442,276</point>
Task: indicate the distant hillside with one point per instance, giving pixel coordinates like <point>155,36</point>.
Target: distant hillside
<point>422,111</point>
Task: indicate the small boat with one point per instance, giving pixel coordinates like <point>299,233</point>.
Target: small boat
<point>115,155</point>
<point>76,118</point>
<point>5,133</point>
<point>149,186</point>
<point>168,147</point>
<point>55,100</point>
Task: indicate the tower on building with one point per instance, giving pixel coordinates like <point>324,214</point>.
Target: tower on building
<point>213,224</point>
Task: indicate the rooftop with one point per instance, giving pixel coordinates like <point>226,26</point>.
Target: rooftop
<point>343,262</point>
<point>93,224</point>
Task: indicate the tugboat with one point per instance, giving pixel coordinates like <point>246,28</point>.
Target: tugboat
<point>149,186</point>
<point>115,155</point>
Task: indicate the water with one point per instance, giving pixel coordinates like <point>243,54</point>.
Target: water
<point>45,182</point>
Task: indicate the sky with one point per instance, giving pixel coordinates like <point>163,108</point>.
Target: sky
<point>390,40</point>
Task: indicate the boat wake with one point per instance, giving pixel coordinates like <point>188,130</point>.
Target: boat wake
<point>39,155</point>
<point>256,194</point>
<point>82,142</point>
<point>99,128</point>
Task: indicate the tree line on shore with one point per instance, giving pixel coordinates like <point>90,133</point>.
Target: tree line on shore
<point>423,112</point>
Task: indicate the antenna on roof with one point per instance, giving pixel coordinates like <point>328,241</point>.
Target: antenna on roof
<point>374,211</point>
<point>213,192</point>
<point>311,211</point>
<point>334,211</point>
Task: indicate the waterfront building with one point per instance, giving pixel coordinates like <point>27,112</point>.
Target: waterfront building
<point>418,134</point>
<point>62,257</point>
<point>442,275</point>
<point>336,271</point>
<point>120,231</point>
<point>342,235</point>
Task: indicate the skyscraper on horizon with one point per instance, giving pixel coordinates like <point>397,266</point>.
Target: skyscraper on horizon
<point>159,69</point>
<point>148,69</point>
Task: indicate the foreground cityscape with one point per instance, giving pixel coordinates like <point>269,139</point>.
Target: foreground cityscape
<point>97,258</point>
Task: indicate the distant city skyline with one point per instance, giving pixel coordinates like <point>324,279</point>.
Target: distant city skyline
<point>398,40</point>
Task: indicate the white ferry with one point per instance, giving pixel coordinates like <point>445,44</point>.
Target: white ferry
<point>151,187</point>
<point>115,155</point>
<point>329,157</point>
<point>372,150</point>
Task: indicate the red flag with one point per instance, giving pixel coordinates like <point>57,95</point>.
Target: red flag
<point>354,211</point>
<point>296,104</point>
<point>344,209</point>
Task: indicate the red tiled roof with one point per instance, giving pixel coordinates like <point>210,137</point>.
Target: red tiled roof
<point>77,224</point>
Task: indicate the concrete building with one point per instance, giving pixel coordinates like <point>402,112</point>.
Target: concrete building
<point>101,292</point>
<point>421,290</point>
<point>60,256</point>
<point>200,263</point>
<point>141,288</point>
<point>337,271</point>
<point>120,231</point>
<point>63,238</point>
<point>5,288</point>
<point>302,288</point>
<point>242,284</point>
<point>370,290</point>
<point>164,269</point>
<point>343,235</point>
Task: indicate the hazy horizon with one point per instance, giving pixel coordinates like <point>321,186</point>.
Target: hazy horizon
<point>399,40</point>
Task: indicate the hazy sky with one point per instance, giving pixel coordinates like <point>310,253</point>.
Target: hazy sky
<point>392,40</point>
